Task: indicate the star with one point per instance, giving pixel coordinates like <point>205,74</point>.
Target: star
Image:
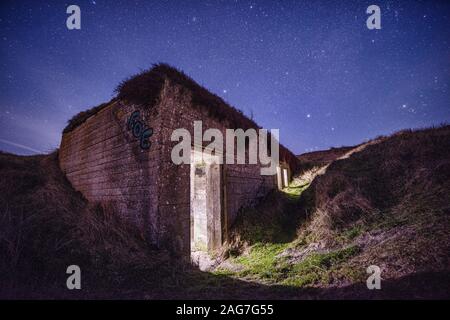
<point>283,64</point>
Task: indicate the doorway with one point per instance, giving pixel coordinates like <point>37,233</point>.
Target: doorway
<point>205,205</point>
<point>283,176</point>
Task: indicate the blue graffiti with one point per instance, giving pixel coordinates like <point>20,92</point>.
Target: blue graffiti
<point>139,130</point>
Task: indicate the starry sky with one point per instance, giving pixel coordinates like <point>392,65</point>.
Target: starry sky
<point>310,68</point>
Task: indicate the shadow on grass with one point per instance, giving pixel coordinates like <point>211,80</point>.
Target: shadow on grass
<point>202,285</point>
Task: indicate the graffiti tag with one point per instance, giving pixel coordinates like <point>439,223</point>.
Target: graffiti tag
<point>139,130</point>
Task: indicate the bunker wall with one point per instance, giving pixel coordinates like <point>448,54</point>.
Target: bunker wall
<point>243,184</point>
<point>106,163</point>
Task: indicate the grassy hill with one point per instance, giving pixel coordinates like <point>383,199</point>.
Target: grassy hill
<point>323,157</point>
<point>46,226</point>
<point>385,202</point>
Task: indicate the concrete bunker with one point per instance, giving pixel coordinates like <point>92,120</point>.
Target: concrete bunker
<point>119,155</point>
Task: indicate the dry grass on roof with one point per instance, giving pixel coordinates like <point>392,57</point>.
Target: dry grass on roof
<point>82,116</point>
<point>144,88</point>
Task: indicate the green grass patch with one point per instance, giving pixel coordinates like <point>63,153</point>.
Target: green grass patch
<point>319,267</point>
<point>262,261</point>
<point>223,272</point>
<point>294,191</point>
<point>353,232</point>
<point>350,234</point>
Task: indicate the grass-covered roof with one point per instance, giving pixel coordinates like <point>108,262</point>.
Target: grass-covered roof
<point>144,89</point>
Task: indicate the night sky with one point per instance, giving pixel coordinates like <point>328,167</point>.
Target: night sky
<point>310,68</point>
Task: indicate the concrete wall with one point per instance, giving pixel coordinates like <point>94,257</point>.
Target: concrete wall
<point>104,161</point>
<point>243,184</point>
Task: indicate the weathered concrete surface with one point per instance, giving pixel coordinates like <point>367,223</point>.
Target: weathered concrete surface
<point>104,161</point>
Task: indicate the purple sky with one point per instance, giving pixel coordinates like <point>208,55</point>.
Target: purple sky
<point>310,68</point>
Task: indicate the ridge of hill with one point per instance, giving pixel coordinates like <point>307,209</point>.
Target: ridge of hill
<point>385,202</point>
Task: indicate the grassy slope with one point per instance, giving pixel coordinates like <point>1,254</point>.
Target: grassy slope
<point>323,157</point>
<point>387,203</point>
<point>46,226</point>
